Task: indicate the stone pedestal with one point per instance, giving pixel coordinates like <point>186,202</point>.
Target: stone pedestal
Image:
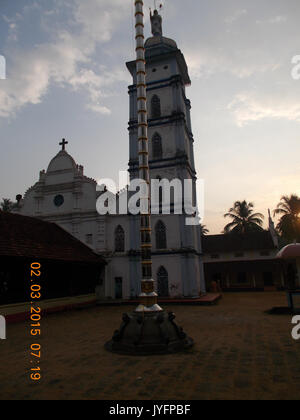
<point>146,333</point>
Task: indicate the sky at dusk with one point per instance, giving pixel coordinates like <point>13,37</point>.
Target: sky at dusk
<point>66,77</point>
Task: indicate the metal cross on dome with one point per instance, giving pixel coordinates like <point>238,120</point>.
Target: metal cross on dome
<point>63,144</point>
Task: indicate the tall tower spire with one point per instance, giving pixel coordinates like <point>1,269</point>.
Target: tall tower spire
<point>171,157</point>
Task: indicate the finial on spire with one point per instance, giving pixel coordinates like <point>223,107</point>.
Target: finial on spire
<point>156,23</point>
<point>63,144</point>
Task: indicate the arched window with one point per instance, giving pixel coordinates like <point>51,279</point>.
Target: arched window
<point>162,282</point>
<point>161,235</point>
<point>119,239</point>
<point>155,107</point>
<point>157,150</point>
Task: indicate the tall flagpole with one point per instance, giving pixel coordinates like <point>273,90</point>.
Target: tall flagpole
<point>148,297</point>
<point>148,329</point>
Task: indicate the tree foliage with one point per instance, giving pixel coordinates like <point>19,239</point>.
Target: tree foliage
<point>243,218</point>
<point>6,205</point>
<point>203,229</point>
<point>289,211</point>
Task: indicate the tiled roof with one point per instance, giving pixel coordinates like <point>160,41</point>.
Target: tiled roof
<point>237,242</point>
<point>22,236</point>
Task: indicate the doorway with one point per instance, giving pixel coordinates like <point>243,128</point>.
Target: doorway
<point>162,282</point>
<point>118,288</point>
<point>268,279</point>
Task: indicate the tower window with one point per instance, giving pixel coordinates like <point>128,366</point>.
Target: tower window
<point>119,239</point>
<point>157,146</point>
<point>161,235</point>
<point>155,107</point>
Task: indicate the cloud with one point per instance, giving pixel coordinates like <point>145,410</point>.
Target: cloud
<point>13,26</point>
<point>278,19</point>
<point>241,63</point>
<point>100,18</point>
<point>246,108</point>
<point>235,16</point>
<point>67,60</point>
<point>93,84</point>
<point>273,20</point>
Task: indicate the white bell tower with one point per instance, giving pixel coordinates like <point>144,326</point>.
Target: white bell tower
<point>177,261</point>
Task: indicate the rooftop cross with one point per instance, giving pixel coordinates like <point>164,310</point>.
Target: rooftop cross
<point>63,144</point>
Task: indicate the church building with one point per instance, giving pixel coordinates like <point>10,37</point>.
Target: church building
<point>66,196</point>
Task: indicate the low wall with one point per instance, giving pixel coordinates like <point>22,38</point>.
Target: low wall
<point>21,311</point>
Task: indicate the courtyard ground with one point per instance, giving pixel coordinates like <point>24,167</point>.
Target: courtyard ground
<point>240,353</point>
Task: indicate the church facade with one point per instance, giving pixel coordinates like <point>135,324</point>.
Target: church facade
<point>64,195</point>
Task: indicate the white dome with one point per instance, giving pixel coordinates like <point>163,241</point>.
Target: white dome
<point>61,161</point>
<point>158,40</point>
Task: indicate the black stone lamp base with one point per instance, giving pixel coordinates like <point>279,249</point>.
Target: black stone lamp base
<point>149,333</point>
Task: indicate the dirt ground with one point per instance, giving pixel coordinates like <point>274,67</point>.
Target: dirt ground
<point>240,353</point>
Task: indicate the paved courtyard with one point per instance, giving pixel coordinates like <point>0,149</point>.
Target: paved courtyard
<point>240,353</point>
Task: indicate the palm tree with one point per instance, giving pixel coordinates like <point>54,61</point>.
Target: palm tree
<point>289,210</point>
<point>203,229</point>
<point>6,205</point>
<point>243,218</point>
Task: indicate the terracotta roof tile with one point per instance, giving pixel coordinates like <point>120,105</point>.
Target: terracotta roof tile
<point>23,236</point>
<point>237,242</point>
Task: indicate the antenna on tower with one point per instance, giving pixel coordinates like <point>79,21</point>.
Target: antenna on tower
<point>161,6</point>
<point>155,5</point>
